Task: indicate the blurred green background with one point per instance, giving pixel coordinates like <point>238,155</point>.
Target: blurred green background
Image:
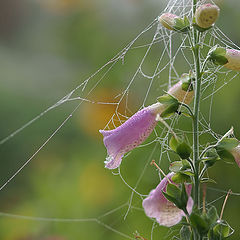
<point>47,48</point>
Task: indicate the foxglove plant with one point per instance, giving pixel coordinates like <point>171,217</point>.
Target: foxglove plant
<point>176,200</point>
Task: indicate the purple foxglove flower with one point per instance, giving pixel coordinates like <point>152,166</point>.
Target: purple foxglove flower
<point>168,20</point>
<point>206,15</point>
<point>181,94</point>
<point>130,134</point>
<point>236,154</point>
<point>158,207</point>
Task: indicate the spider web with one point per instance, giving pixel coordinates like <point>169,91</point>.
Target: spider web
<point>154,74</point>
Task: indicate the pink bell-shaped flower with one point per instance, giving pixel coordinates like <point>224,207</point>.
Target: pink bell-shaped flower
<point>158,207</point>
<point>130,134</point>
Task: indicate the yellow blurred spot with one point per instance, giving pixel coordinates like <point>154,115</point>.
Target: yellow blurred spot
<point>93,117</point>
<point>96,185</point>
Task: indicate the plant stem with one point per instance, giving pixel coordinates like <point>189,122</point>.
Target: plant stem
<point>196,109</point>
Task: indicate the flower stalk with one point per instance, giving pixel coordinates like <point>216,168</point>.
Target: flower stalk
<point>196,109</point>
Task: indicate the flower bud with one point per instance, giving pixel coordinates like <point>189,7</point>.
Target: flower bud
<point>229,149</point>
<point>183,90</point>
<point>206,15</point>
<point>168,20</point>
<point>229,58</point>
<point>174,22</point>
<point>233,57</point>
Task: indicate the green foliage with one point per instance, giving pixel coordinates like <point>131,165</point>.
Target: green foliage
<point>177,195</point>
<point>182,25</point>
<point>171,105</point>
<point>211,157</point>
<point>220,231</point>
<point>187,81</point>
<point>218,55</point>
<point>180,147</point>
<point>185,233</point>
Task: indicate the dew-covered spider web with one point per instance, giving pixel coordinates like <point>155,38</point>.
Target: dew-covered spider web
<point>161,57</point>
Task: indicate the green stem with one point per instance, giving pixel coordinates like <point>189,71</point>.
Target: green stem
<point>196,113</point>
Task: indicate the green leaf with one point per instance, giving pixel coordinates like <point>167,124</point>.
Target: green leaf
<point>180,147</point>
<point>187,79</point>
<point>199,223</point>
<point>173,143</point>
<point>212,215</point>
<point>225,155</point>
<point>169,110</point>
<point>211,157</point>
<point>218,55</point>
<point>181,178</point>
<point>171,105</point>
<point>184,197</point>
<point>171,198</point>
<point>173,190</point>
<point>222,230</point>
<point>176,166</point>
<point>228,144</point>
<point>182,24</point>
<point>184,150</point>
<point>185,233</point>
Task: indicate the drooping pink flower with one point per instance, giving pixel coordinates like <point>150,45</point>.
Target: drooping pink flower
<point>206,15</point>
<point>130,134</point>
<point>236,154</point>
<point>158,207</point>
<point>137,128</point>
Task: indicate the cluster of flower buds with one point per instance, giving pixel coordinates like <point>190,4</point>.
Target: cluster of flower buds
<point>137,128</point>
<point>206,15</point>
<point>229,58</point>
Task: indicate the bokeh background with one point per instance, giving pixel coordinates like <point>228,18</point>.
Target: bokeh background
<point>47,48</point>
